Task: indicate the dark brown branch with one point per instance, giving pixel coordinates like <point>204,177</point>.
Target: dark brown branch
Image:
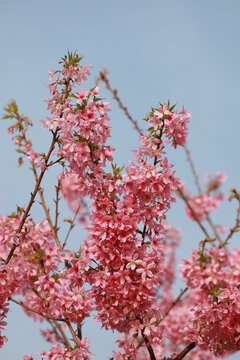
<point>171,306</point>
<point>185,351</point>
<point>148,345</point>
<point>79,331</point>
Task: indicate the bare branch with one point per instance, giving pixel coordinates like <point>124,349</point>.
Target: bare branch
<point>71,226</point>
<point>56,206</point>
<point>194,172</point>
<point>21,303</point>
<point>174,303</point>
<point>103,77</point>
<point>43,203</point>
<point>184,197</point>
<point>33,195</point>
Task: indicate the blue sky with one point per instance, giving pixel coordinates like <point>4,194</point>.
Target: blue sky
<point>186,51</point>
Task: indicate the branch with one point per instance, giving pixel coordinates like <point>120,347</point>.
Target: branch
<point>196,180</point>
<point>62,333</point>
<point>49,219</point>
<point>72,331</point>
<point>184,197</point>
<point>185,351</point>
<point>167,312</point>
<point>21,303</point>
<point>148,345</point>
<point>174,303</point>
<point>103,77</point>
<point>71,226</point>
<point>214,229</point>
<point>56,327</point>
<point>79,331</point>
<point>33,195</point>
<point>56,206</point>
<point>195,175</point>
<point>237,221</point>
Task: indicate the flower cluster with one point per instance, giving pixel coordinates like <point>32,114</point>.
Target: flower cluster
<point>124,270</point>
<point>61,353</point>
<point>206,269</point>
<point>215,322</point>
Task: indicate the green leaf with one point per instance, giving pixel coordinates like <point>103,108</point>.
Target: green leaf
<point>172,108</point>
<point>116,169</point>
<point>77,254</point>
<point>40,253</point>
<point>56,276</point>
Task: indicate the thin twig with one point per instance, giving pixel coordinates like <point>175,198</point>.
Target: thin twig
<point>184,197</point>
<point>237,222</point>
<point>43,203</point>
<point>194,172</point>
<point>56,206</point>
<point>214,229</point>
<point>21,303</point>
<point>33,195</point>
<point>197,182</point>
<point>103,77</point>
<point>174,303</point>
<point>55,162</point>
<point>71,226</point>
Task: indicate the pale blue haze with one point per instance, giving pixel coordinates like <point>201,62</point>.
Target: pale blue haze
<point>183,50</point>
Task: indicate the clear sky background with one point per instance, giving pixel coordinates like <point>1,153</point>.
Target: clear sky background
<point>183,50</point>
